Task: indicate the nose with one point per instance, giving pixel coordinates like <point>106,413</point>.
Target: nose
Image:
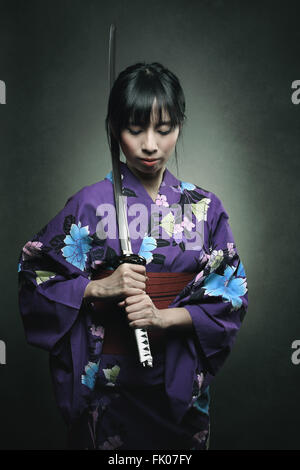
<point>149,144</point>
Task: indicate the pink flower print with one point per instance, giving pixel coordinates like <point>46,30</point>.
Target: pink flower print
<point>200,378</point>
<point>205,258</point>
<point>178,228</point>
<point>31,250</point>
<point>201,436</point>
<point>187,223</point>
<point>113,442</point>
<point>198,276</point>
<point>197,393</point>
<point>96,263</point>
<point>161,200</point>
<point>231,251</point>
<point>177,233</point>
<point>97,331</point>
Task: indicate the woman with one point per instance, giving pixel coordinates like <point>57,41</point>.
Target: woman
<point>78,305</point>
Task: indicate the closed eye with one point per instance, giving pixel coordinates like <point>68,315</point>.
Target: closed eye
<point>138,132</point>
<point>134,132</point>
<point>164,132</point>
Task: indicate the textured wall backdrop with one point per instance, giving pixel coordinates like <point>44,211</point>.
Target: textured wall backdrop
<point>236,62</point>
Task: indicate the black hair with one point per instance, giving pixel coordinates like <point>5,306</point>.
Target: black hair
<point>131,100</point>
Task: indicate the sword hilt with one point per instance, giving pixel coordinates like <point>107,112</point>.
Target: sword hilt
<point>141,334</point>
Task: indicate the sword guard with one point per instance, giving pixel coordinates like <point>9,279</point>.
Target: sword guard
<point>131,258</point>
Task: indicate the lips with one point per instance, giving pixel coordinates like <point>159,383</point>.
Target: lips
<point>149,159</point>
<point>148,162</point>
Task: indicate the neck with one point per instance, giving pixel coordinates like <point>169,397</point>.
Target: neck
<point>151,182</point>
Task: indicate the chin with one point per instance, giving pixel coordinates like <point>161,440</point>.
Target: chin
<point>141,169</point>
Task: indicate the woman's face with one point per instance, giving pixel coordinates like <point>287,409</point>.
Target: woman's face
<point>148,150</point>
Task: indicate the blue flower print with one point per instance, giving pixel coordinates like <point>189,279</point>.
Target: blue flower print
<point>231,289</point>
<point>184,185</point>
<point>89,377</point>
<point>109,176</point>
<point>241,270</point>
<point>78,243</point>
<point>148,244</point>
<point>203,401</point>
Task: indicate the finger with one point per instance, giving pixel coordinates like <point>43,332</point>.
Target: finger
<point>138,277</point>
<point>135,299</point>
<point>134,308</point>
<point>131,292</point>
<point>138,285</point>
<point>143,323</point>
<point>138,268</point>
<point>134,316</point>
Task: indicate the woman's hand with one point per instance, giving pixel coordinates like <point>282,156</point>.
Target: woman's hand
<point>127,280</point>
<point>142,313</point>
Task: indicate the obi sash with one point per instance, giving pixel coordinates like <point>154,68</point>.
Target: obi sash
<point>119,338</point>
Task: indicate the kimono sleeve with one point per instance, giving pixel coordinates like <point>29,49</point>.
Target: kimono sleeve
<point>217,298</point>
<point>53,276</point>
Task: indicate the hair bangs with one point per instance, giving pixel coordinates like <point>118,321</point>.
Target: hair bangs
<point>139,109</point>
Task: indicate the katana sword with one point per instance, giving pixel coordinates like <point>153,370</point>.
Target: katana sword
<point>127,255</point>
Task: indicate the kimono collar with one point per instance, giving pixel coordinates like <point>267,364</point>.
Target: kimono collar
<point>132,186</point>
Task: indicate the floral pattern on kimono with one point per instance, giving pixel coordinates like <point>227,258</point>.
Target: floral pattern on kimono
<point>57,264</point>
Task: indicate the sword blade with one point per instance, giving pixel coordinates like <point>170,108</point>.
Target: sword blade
<point>121,209</point>
<point>111,55</point>
<point>120,200</point>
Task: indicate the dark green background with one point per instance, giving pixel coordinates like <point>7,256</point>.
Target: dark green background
<point>236,61</point>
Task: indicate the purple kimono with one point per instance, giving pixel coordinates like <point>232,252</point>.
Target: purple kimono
<point>111,401</point>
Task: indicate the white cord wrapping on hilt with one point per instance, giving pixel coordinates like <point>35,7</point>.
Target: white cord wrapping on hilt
<point>143,347</point>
